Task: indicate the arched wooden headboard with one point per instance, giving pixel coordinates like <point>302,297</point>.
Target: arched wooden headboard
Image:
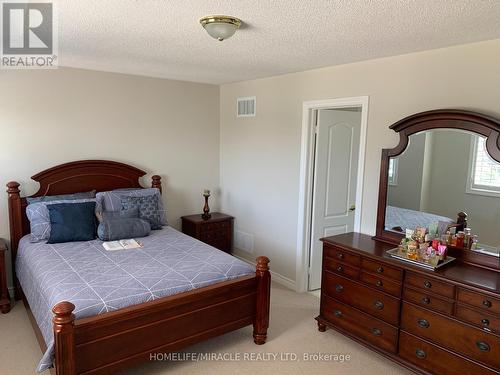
<point>73,177</point>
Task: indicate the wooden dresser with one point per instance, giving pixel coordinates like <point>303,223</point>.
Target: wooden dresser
<point>442,322</point>
<point>4,292</point>
<point>216,231</point>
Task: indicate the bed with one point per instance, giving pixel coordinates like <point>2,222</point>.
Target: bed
<point>103,336</point>
<point>397,217</point>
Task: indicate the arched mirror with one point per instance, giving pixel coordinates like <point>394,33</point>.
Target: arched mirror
<point>444,174</point>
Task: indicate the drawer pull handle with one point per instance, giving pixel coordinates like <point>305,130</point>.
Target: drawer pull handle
<point>337,313</point>
<point>379,283</point>
<point>376,332</point>
<point>487,303</point>
<point>428,284</point>
<point>380,269</point>
<point>340,269</point>
<point>426,300</point>
<point>379,305</point>
<point>420,353</point>
<point>423,323</point>
<point>339,288</point>
<point>485,322</point>
<point>340,256</point>
<point>484,347</point>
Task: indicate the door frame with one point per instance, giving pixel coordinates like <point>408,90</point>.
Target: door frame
<point>307,172</point>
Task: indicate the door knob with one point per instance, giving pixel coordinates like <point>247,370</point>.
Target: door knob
<point>352,208</point>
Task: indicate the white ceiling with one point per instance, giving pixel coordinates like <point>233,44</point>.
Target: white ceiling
<point>162,38</point>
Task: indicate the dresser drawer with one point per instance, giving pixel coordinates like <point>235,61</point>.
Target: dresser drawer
<point>208,227</point>
<point>362,325</point>
<point>382,269</point>
<point>428,301</point>
<point>341,268</point>
<point>479,318</point>
<point>364,298</point>
<point>465,339</point>
<point>430,284</point>
<point>341,255</point>
<point>482,301</point>
<point>213,236</point>
<point>436,360</point>
<point>381,283</point>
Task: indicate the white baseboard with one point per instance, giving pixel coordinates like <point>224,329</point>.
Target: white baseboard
<point>280,279</point>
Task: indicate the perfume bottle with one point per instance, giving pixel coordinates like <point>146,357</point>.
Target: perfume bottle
<point>467,238</point>
<point>453,241</point>
<point>460,239</point>
<point>475,240</point>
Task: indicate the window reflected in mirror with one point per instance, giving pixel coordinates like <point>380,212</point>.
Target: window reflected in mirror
<point>443,172</point>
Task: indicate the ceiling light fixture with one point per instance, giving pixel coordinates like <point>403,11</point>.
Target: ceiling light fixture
<point>220,27</point>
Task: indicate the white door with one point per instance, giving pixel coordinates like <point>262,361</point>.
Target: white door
<point>335,176</point>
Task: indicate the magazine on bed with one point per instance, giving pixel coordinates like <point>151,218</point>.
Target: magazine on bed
<point>121,245</point>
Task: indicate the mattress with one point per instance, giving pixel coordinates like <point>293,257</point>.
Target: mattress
<point>410,219</point>
<point>97,281</point>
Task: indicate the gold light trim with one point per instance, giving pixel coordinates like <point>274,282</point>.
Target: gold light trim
<point>220,19</point>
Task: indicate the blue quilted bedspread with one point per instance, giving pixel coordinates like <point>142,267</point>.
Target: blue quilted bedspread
<point>97,281</point>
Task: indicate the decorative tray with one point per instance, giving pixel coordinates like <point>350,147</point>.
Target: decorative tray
<point>393,253</point>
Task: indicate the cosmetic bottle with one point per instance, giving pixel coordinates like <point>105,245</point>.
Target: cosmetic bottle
<point>467,238</point>
<point>448,237</point>
<point>460,239</point>
<point>475,240</point>
<point>453,241</point>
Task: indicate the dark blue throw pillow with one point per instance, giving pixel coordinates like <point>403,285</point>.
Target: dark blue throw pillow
<point>71,222</point>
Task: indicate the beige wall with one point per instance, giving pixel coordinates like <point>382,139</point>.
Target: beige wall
<point>260,156</point>
<point>449,197</point>
<point>165,127</point>
<point>410,168</point>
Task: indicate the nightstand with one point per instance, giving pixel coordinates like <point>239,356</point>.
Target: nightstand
<point>216,231</point>
<point>4,292</point>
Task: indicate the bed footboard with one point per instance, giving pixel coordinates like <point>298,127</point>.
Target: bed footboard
<point>110,342</point>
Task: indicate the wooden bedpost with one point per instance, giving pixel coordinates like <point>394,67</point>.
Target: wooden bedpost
<point>261,322</point>
<point>64,338</point>
<point>156,182</point>
<point>16,227</point>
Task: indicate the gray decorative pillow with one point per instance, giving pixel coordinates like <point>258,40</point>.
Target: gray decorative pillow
<point>63,197</point>
<point>119,229</point>
<point>39,217</point>
<point>111,200</point>
<point>133,213</point>
<point>147,206</point>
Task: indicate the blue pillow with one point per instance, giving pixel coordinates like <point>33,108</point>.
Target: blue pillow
<point>39,217</point>
<point>71,222</point>
<point>116,215</point>
<point>111,200</point>
<point>119,229</point>
<point>147,206</point>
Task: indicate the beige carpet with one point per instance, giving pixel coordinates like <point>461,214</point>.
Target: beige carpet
<point>293,330</point>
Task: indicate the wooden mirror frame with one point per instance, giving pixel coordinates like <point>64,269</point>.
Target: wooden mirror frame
<point>436,119</point>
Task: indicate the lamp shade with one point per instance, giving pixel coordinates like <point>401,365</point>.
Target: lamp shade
<point>220,27</point>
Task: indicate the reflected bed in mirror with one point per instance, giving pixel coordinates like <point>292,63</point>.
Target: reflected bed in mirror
<point>442,172</point>
<point>445,168</point>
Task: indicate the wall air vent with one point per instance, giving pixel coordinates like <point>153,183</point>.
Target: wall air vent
<point>246,107</point>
